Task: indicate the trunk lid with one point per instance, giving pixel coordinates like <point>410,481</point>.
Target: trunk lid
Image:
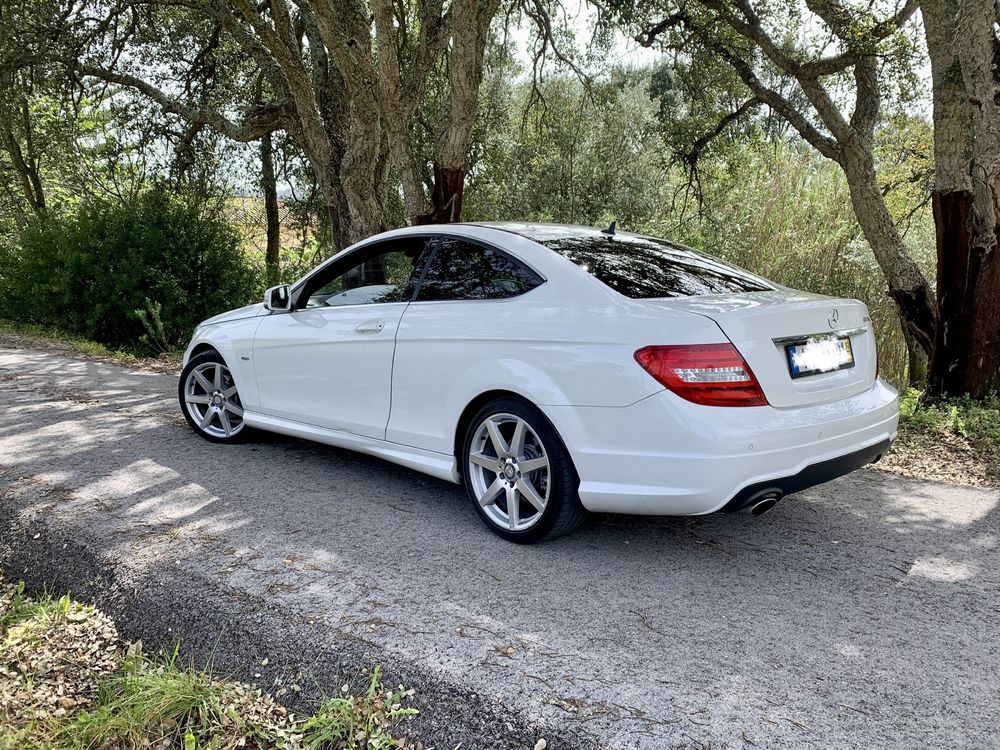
<point>761,325</point>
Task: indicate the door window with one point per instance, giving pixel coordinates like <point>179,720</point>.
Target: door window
<point>462,270</point>
<point>384,272</point>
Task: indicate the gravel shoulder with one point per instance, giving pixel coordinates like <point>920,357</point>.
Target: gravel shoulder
<point>859,614</point>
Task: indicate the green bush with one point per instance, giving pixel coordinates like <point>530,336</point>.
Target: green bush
<point>92,272</point>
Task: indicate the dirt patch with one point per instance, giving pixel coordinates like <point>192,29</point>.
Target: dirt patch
<point>941,457</point>
<point>165,364</point>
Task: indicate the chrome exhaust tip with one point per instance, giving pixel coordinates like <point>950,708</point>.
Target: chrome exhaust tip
<point>762,502</point>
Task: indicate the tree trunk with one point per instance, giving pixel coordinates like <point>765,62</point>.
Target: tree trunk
<point>916,359</point>
<point>964,54</point>
<point>364,172</point>
<point>26,169</point>
<point>272,253</point>
<point>449,188</point>
<point>966,356</point>
<point>907,285</point>
<point>470,32</point>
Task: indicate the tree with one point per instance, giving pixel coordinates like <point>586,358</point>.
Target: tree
<point>965,65</point>
<point>759,44</point>
<point>346,83</point>
<point>35,126</point>
<point>588,155</point>
<point>269,186</point>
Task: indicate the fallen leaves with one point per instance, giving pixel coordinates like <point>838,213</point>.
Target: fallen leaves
<point>66,675</point>
<point>52,655</point>
<point>943,457</point>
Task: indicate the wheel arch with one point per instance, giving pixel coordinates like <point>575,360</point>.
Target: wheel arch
<point>202,348</point>
<point>477,403</point>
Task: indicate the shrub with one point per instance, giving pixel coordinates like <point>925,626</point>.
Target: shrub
<point>91,271</point>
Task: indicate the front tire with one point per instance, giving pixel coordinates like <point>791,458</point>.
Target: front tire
<point>210,400</point>
<point>518,473</point>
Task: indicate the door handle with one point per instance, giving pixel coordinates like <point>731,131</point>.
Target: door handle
<point>370,326</point>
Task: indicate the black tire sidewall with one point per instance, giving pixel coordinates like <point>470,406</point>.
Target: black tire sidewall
<point>563,479</point>
<point>200,359</point>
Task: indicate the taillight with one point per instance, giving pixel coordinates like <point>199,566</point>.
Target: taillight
<point>708,374</point>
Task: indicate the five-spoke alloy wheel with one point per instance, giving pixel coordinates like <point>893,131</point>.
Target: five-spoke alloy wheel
<point>210,399</point>
<point>519,474</point>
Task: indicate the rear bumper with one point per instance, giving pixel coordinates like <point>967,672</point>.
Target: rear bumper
<point>810,476</point>
<point>666,456</point>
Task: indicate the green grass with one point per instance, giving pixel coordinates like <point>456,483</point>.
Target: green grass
<point>147,702</point>
<point>82,345</point>
<point>358,722</point>
<point>976,421</point>
<point>44,610</point>
<point>159,702</point>
<point>76,343</point>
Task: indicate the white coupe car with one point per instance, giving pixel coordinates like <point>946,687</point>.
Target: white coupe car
<point>553,370</point>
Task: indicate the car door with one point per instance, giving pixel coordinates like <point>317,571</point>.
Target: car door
<point>328,362</point>
<point>467,315</point>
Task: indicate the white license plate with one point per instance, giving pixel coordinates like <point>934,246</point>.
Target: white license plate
<point>819,354</point>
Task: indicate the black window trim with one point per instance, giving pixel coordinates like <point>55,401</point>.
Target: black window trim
<point>479,243</point>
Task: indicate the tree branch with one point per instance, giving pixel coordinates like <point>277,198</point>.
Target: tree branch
<point>257,120</point>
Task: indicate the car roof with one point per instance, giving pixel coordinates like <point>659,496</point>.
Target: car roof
<point>540,231</point>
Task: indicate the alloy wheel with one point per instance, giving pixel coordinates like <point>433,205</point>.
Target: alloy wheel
<point>212,401</point>
<point>509,471</point>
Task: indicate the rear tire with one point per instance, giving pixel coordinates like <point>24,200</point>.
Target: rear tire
<point>518,473</point>
<point>210,400</point>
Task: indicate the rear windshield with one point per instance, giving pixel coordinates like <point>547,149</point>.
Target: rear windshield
<point>643,267</point>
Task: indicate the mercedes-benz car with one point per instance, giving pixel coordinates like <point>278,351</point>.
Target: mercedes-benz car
<point>554,371</point>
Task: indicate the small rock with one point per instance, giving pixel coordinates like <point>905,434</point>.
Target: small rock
<point>541,744</point>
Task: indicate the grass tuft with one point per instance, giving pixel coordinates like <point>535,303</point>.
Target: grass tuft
<point>358,722</point>
<point>977,421</point>
<point>20,609</point>
<point>109,696</point>
<point>146,702</point>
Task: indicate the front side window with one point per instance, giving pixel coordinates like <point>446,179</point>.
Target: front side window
<point>462,270</point>
<point>643,267</point>
<point>385,272</point>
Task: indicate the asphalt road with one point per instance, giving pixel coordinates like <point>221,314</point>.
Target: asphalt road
<point>860,614</point>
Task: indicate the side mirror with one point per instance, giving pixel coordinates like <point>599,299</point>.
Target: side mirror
<point>278,299</point>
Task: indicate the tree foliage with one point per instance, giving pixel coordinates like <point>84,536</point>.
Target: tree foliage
<point>89,272</point>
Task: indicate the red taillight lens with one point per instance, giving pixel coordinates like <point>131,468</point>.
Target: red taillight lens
<point>708,374</point>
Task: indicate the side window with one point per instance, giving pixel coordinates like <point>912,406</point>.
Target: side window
<point>463,270</point>
<point>385,272</point>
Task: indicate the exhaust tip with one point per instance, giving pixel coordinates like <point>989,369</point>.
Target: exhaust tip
<point>762,502</point>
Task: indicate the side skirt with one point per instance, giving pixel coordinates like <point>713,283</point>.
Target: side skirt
<point>438,465</point>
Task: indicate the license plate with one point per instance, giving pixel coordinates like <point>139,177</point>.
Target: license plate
<point>819,354</point>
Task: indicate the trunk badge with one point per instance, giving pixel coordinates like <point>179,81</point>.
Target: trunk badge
<point>833,318</point>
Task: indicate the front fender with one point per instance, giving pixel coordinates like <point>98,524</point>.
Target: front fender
<point>234,341</point>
